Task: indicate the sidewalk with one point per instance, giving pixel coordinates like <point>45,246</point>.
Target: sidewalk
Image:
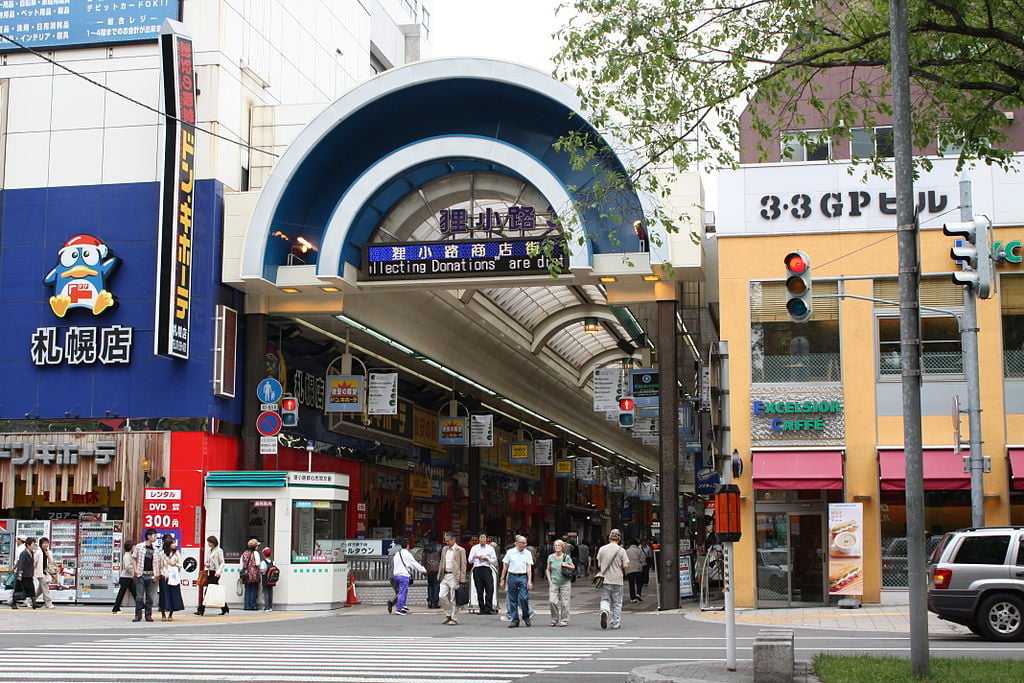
<point>99,617</point>
<point>868,618</point>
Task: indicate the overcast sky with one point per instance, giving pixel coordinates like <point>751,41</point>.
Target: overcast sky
<point>513,30</point>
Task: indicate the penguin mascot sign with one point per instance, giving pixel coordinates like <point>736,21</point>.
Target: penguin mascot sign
<point>80,278</point>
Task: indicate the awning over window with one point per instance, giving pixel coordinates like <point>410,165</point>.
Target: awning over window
<point>1017,468</point>
<point>943,470</point>
<point>798,469</point>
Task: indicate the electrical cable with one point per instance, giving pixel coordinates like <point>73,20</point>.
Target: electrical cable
<point>71,71</point>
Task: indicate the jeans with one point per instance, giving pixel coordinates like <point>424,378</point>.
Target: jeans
<point>611,602</point>
<point>483,579</point>
<point>559,597</point>
<point>518,597</point>
<point>448,587</point>
<point>433,590</point>
<point>268,597</point>
<point>251,595</point>
<point>145,595</point>
<point>127,585</point>
<point>402,594</point>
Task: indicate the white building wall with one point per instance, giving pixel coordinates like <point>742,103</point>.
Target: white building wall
<point>61,130</point>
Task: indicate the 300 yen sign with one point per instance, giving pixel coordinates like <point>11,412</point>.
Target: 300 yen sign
<point>158,521</point>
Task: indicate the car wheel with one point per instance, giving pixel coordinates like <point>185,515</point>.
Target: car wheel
<point>975,630</point>
<point>1001,617</point>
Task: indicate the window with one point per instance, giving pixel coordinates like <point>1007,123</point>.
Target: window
<point>410,8</point>
<point>784,351</point>
<point>942,510</point>
<point>867,142</point>
<point>982,550</point>
<point>318,531</point>
<point>1011,295</point>
<point>941,352</point>
<point>817,147</point>
<point>426,22</point>
<point>242,520</point>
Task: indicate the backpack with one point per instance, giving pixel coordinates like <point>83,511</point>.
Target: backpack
<point>272,575</point>
<point>432,558</point>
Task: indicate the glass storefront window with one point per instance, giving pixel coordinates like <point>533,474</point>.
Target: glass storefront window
<point>318,531</point>
<point>242,520</point>
<point>784,351</point>
<point>943,511</point>
<point>941,353</point>
<point>1011,295</point>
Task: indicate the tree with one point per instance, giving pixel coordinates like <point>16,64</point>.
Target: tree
<point>671,79</point>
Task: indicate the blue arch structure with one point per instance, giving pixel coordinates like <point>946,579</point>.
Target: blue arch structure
<point>520,110</point>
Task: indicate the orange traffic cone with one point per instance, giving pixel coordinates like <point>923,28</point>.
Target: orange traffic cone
<point>351,599</point>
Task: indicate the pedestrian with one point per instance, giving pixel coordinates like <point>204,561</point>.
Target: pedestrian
<point>535,554</point>
<point>611,563</point>
<point>483,561</point>
<point>517,572</point>
<point>401,562</point>
<point>19,545</point>
<point>170,580</point>
<point>269,574</point>
<point>584,558</point>
<point>214,567</point>
<point>645,576</point>
<point>249,566</point>
<point>451,572</point>
<point>634,573</point>
<point>24,569</point>
<point>45,571</point>
<point>559,585</point>
<point>146,564</point>
<point>126,577</point>
<point>432,561</point>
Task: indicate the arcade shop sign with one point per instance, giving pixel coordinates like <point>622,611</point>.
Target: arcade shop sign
<point>463,258</point>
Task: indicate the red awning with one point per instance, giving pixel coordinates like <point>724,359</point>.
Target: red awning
<point>1017,468</point>
<point>943,470</point>
<point>798,470</point>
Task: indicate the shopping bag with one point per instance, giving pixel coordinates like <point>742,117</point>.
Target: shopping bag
<point>214,595</point>
<point>462,594</point>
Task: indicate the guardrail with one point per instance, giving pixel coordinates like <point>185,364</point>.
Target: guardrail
<point>369,568</point>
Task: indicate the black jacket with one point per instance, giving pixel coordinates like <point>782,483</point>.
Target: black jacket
<point>26,564</point>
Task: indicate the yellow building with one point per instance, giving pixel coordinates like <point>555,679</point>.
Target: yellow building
<point>816,407</point>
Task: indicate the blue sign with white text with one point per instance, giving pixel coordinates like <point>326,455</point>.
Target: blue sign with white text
<point>73,23</point>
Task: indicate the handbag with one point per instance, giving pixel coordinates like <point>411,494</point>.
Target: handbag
<point>214,596</point>
<point>598,581</point>
<point>462,594</point>
<point>239,587</point>
<point>203,578</point>
<point>570,573</point>
<point>9,581</point>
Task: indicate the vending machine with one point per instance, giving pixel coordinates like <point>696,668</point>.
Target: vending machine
<point>64,548</point>
<point>33,528</point>
<point>6,556</point>
<point>99,560</point>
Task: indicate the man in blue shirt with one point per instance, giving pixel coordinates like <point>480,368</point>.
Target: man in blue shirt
<point>517,572</point>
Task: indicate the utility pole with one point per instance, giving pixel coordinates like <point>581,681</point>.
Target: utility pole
<point>969,340</point>
<point>910,334</point>
<point>729,585</point>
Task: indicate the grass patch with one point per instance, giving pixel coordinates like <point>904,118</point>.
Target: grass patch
<point>832,668</point>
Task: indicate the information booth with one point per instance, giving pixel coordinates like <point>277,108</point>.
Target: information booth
<point>300,516</point>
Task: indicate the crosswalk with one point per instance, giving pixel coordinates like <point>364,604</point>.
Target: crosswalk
<point>337,659</point>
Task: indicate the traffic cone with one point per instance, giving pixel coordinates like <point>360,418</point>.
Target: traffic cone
<point>351,599</point>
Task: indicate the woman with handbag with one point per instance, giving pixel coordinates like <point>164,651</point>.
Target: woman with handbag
<point>170,580</point>
<point>401,562</point>
<point>213,566</point>
<point>560,572</point>
<point>46,572</point>
<point>249,569</point>
<point>126,579</point>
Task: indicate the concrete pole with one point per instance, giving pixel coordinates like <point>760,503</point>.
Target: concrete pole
<point>969,340</point>
<point>910,334</point>
<point>724,415</point>
<point>668,429</point>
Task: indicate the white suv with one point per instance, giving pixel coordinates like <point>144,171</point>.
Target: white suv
<point>978,581</point>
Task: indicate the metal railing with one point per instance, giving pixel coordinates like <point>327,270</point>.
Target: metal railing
<point>373,568</point>
<point>801,367</point>
<point>1013,363</point>
<point>932,363</point>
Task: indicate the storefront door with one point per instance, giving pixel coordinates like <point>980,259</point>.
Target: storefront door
<point>790,558</point>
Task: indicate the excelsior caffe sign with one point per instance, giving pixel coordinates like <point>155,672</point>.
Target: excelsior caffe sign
<point>797,415</point>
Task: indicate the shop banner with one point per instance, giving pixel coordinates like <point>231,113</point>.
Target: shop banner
<point>632,487</point>
<point>615,483</point>
<point>644,386</point>
<point>846,538</point>
<point>563,468</point>
<point>481,430</point>
<point>344,394</point>
<point>543,452</point>
<point>607,389</point>
<point>520,452</point>
<point>647,490</point>
<point>382,393</point>
<point>451,431</point>
<point>419,486</point>
<point>585,470</point>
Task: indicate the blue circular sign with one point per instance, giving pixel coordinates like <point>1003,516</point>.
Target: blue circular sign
<point>269,390</point>
<point>268,423</point>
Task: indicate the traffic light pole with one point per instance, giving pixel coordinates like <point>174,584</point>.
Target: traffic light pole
<point>969,341</point>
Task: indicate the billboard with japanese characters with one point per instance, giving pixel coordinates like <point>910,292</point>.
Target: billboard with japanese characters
<point>52,24</point>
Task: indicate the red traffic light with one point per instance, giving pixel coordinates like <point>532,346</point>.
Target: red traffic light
<point>626,404</point>
<point>795,262</point>
<point>289,404</point>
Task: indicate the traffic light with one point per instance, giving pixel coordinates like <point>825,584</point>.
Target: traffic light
<point>973,254</point>
<point>798,286</point>
<point>289,411</point>
<point>626,406</point>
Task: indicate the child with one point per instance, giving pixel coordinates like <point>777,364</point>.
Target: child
<point>268,581</point>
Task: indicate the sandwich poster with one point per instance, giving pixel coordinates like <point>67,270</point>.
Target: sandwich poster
<point>845,554</point>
